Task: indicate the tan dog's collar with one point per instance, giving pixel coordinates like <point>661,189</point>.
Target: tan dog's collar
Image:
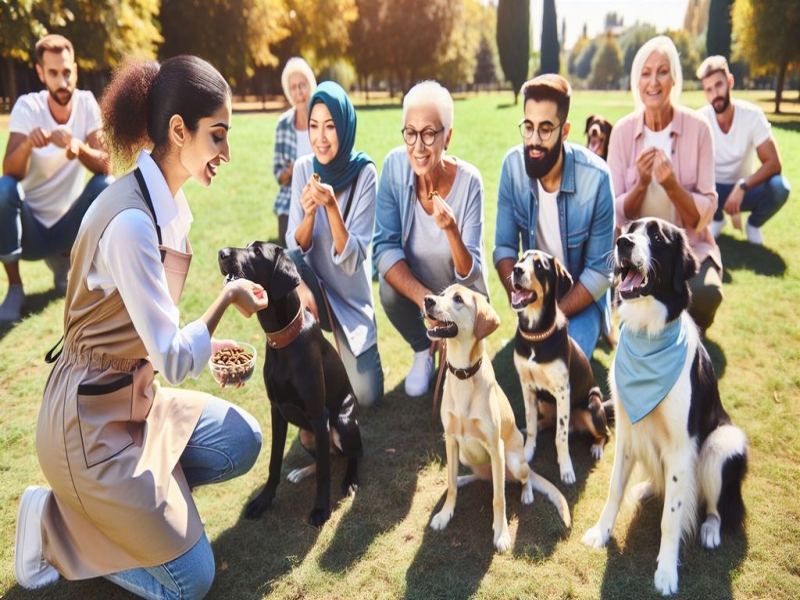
<point>284,337</point>
<point>539,336</point>
<point>465,373</point>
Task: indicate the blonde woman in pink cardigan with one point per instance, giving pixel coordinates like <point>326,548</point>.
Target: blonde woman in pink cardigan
<point>661,159</point>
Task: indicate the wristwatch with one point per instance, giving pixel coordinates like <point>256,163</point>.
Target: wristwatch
<point>742,184</point>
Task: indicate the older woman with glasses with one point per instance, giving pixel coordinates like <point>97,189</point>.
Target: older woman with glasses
<point>429,223</point>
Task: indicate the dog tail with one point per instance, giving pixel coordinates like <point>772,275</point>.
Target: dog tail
<point>722,469</point>
<point>542,485</point>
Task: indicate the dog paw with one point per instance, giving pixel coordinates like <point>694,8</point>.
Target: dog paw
<point>318,516</point>
<point>349,488</point>
<point>597,451</point>
<point>709,533</point>
<point>666,580</point>
<point>527,493</point>
<point>502,543</point>
<point>297,475</point>
<point>595,538</point>
<point>441,519</point>
<point>568,475</point>
<point>257,507</point>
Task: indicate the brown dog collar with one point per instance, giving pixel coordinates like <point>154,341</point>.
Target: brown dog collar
<point>465,373</point>
<point>284,337</point>
<point>539,336</point>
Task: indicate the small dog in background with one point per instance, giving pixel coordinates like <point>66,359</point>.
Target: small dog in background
<point>558,384</point>
<point>598,132</point>
<point>670,419</point>
<point>478,420</point>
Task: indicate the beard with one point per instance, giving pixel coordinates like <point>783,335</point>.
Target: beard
<point>726,102</point>
<point>61,96</point>
<point>536,168</point>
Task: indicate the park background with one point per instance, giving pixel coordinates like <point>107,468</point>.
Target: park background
<point>379,544</point>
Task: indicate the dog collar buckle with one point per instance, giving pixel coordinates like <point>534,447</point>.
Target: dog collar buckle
<point>465,373</point>
<point>284,337</point>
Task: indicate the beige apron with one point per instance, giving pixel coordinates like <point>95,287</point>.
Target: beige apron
<point>109,437</point>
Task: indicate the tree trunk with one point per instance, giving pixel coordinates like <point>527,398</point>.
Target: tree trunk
<point>11,78</point>
<point>779,87</point>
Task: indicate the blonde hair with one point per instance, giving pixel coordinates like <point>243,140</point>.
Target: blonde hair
<point>666,46</point>
<point>713,64</point>
<point>431,93</point>
<point>297,65</point>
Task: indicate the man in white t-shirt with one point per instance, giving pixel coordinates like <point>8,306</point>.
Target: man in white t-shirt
<point>55,136</point>
<point>741,131</point>
<point>556,196</point>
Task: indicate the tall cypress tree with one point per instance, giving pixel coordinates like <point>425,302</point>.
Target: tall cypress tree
<point>718,35</point>
<point>514,40</point>
<point>551,48</point>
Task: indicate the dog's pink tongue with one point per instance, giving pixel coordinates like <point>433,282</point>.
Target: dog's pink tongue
<point>594,144</point>
<point>632,280</point>
<point>519,296</point>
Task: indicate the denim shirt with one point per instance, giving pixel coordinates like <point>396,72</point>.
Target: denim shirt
<point>585,214</point>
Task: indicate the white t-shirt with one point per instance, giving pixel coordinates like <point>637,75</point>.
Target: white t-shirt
<point>303,143</point>
<point>736,150</point>
<point>53,182</point>
<point>548,229</point>
<point>656,200</point>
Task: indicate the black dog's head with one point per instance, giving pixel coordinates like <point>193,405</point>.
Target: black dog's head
<point>653,260</point>
<point>598,132</point>
<point>263,263</point>
<point>539,281</point>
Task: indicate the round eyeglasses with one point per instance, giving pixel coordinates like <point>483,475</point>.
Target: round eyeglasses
<point>545,130</point>
<point>428,135</point>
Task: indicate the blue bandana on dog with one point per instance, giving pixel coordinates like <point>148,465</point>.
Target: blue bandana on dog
<point>646,367</point>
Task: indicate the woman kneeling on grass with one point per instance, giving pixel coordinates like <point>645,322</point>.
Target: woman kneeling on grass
<point>120,452</point>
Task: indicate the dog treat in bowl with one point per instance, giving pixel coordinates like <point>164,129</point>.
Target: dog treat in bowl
<point>231,366</point>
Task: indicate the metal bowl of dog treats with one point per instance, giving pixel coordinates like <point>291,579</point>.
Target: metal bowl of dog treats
<point>231,366</point>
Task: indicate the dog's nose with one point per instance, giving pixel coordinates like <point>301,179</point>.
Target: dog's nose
<point>430,302</point>
<point>518,271</point>
<point>624,243</point>
<point>224,254</point>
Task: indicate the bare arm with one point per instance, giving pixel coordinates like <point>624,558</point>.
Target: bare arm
<point>504,268</point>
<point>575,300</point>
<point>17,159</point>
<point>400,277</point>
<point>93,154</point>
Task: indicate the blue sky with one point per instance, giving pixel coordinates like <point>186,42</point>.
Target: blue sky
<point>664,14</point>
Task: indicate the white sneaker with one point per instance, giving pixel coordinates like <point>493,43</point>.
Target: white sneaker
<point>11,308</point>
<point>754,234</point>
<point>30,567</point>
<point>59,265</point>
<point>419,377</point>
<point>716,227</point>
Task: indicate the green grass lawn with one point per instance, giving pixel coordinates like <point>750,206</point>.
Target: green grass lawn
<point>379,543</point>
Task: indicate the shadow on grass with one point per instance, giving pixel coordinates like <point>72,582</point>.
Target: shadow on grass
<point>702,573</point>
<point>35,304</point>
<point>717,356</point>
<point>740,254</point>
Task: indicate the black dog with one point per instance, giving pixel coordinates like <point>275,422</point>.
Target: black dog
<point>306,382</point>
<point>598,132</point>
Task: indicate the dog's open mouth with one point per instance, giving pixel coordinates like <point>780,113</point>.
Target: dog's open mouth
<point>441,329</point>
<point>633,281</point>
<point>520,297</point>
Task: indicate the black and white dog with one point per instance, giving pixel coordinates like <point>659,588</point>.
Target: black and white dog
<point>670,419</point>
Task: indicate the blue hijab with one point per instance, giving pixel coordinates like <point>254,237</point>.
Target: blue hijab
<point>347,163</point>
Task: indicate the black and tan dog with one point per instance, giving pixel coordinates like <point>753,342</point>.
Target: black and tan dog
<point>558,385</point>
<point>670,419</point>
<point>478,421</point>
<point>306,381</point>
<point>598,133</point>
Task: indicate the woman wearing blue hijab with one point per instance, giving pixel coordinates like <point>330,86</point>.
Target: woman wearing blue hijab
<point>331,219</point>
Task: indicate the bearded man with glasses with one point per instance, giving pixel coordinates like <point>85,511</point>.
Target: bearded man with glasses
<point>428,223</point>
<point>557,197</point>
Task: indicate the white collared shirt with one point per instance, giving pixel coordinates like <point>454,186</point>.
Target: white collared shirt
<point>128,259</point>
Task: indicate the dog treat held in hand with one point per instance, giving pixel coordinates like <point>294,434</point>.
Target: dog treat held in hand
<point>316,177</point>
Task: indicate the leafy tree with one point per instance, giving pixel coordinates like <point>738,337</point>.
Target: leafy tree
<point>767,34</point>
<point>320,31</point>
<point>576,51</point>
<point>458,62</point>
<point>631,41</point>
<point>583,64</point>
<point>514,41</point>
<point>696,18</point>
<point>688,55</point>
<point>607,64</point>
<point>551,48</point>
<point>718,36</point>
<point>366,34</point>
<point>485,71</point>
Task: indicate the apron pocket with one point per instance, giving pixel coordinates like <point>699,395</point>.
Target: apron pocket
<point>104,411</point>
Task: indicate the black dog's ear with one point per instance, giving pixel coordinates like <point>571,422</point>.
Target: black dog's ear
<point>686,264</point>
<point>589,120</point>
<point>285,276</point>
<point>563,279</point>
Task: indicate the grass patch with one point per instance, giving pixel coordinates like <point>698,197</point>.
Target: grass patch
<point>379,545</point>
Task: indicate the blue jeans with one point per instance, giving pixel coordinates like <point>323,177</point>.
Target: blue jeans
<point>22,236</point>
<point>224,445</point>
<point>761,201</point>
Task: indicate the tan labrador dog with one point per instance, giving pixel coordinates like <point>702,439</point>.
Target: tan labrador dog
<point>478,421</point>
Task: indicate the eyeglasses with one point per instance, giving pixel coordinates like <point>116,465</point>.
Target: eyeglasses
<point>545,130</point>
<point>428,135</point>
<point>299,87</point>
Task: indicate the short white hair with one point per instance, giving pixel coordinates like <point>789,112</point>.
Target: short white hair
<point>431,93</point>
<point>297,65</point>
<point>666,46</point>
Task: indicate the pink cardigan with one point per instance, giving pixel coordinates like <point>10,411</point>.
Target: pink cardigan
<point>693,163</point>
